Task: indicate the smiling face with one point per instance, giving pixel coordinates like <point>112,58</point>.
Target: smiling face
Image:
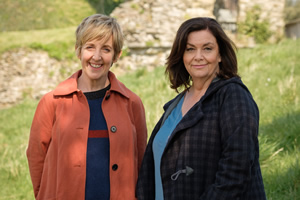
<point>201,57</point>
<point>96,58</point>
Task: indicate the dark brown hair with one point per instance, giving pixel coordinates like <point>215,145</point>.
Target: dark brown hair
<point>178,75</point>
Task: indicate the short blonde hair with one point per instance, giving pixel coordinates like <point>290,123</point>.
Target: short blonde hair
<point>102,27</point>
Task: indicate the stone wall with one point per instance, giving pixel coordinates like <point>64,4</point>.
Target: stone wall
<point>28,73</point>
<point>150,25</point>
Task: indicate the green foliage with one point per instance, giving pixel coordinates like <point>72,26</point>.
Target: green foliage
<point>292,10</point>
<point>254,26</point>
<point>105,6</point>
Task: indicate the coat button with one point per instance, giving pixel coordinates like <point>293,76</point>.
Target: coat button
<point>114,167</point>
<point>113,129</point>
<point>107,96</point>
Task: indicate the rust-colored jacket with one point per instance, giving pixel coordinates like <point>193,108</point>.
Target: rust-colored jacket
<point>58,141</point>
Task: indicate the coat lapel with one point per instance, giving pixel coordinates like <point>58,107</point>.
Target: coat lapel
<point>190,119</point>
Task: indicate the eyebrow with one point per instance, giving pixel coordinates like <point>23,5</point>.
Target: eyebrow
<point>89,43</point>
<point>208,43</point>
<point>107,45</point>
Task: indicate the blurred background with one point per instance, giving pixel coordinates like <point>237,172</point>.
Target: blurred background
<point>37,41</point>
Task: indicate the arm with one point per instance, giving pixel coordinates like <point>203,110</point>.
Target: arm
<point>39,140</point>
<point>239,120</point>
<point>141,129</point>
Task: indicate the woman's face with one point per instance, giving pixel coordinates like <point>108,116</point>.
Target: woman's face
<point>96,59</point>
<point>201,57</point>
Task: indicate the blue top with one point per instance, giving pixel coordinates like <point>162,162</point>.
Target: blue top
<point>97,159</point>
<point>160,142</point>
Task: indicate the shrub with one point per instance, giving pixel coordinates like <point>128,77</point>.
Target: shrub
<point>254,26</point>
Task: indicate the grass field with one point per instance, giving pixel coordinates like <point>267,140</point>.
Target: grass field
<point>23,15</point>
<point>270,71</point>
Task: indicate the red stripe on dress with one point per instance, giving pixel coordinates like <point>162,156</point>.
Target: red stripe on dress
<point>98,134</point>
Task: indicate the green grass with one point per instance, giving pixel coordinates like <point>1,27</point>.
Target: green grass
<point>59,43</point>
<point>46,24</point>
<point>282,177</point>
<point>42,14</point>
<point>271,73</point>
<point>154,90</point>
<point>14,128</point>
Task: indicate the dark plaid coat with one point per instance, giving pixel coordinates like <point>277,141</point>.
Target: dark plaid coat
<point>217,138</point>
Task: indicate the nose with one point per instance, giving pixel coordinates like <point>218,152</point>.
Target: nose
<point>97,54</point>
<point>198,55</point>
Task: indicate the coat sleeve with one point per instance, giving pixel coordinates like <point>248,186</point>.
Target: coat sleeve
<point>238,122</point>
<point>39,140</point>
<point>141,129</point>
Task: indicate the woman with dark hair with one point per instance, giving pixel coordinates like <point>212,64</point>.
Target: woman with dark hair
<point>205,146</point>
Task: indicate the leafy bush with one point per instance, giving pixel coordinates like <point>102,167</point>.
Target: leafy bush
<point>105,6</point>
<point>254,26</point>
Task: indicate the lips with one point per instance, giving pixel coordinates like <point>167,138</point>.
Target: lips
<point>96,65</point>
<point>199,66</point>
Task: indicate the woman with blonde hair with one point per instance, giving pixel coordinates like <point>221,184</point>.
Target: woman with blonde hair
<point>89,134</point>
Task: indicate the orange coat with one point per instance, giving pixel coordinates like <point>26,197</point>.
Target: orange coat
<point>58,141</point>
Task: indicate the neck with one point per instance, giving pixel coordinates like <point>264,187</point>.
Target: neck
<point>200,84</point>
<point>87,85</point>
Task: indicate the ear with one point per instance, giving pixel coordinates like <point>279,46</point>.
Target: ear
<point>117,58</point>
<point>220,58</point>
<point>77,52</point>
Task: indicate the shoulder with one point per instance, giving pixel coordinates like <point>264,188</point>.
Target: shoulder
<point>237,91</point>
<point>48,98</point>
<point>46,105</point>
<point>230,87</point>
<point>236,98</point>
<point>231,93</point>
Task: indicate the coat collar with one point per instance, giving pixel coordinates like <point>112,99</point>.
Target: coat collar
<point>69,86</point>
<point>215,85</point>
<point>196,113</point>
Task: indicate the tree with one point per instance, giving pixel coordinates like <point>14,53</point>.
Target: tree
<point>105,6</point>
